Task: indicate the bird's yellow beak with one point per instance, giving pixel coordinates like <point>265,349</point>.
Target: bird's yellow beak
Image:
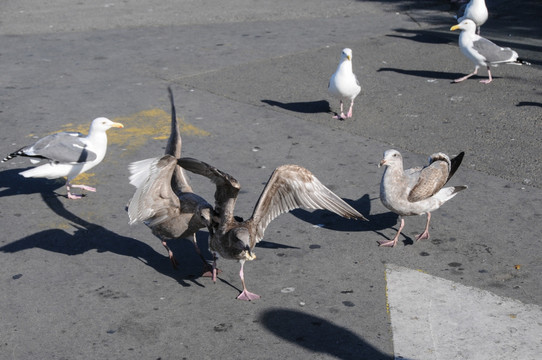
<point>348,57</point>
<point>117,125</point>
<point>455,27</point>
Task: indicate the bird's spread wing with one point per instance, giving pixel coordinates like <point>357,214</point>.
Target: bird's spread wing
<point>64,147</point>
<point>179,181</point>
<point>492,52</point>
<point>227,188</point>
<point>431,178</point>
<point>291,187</point>
<point>154,196</point>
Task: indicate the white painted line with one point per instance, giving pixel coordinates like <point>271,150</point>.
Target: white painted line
<point>434,318</point>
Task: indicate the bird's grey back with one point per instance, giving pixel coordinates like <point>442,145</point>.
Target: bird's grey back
<point>493,52</point>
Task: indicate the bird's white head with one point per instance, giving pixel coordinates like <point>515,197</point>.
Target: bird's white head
<point>465,25</point>
<point>391,157</point>
<point>104,124</point>
<point>346,54</point>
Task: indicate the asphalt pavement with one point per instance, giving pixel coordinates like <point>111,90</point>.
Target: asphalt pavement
<point>250,83</point>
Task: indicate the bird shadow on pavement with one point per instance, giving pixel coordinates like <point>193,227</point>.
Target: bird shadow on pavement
<point>425,36</point>
<point>89,236</point>
<point>331,221</point>
<point>319,335</point>
<point>306,107</point>
<point>12,183</point>
<point>426,73</point>
<point>529,103</point>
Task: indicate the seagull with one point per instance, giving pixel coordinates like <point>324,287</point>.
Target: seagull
<point>68,154</point>
<point>417,190</point>
<point>481,51</point>
<point>164,200</point>
<point>475,10</point>
<point>344,84</point>
<point>289,187</point>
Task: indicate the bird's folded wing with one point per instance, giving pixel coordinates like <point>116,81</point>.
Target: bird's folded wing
<point>64,147</point>
<point>227,187</point>
<point>431,179</point>
<point>492,52</point>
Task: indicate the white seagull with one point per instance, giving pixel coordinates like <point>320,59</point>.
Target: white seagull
<point>481,51</point>
<point>344,84</point>
<point>475,10</point>
<point>417,190</point>
<point>68,154</point>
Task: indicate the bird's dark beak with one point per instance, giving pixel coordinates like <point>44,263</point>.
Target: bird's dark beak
<point>247,249</point>
<point>382,163</point>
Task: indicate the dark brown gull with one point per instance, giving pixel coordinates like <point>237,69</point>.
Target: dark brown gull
<point>482,52</point>
<point>344,84</point>
<point>164,200</point>
<point>416,191</point>
<point>68,154</point>
<point>289,187</point>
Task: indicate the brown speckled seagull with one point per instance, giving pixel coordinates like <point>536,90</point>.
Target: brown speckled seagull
<point>417,190</point>
<point>164,200</point>
<point>290,187</point>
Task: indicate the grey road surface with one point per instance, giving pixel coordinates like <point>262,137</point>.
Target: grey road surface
<point>250,80</point>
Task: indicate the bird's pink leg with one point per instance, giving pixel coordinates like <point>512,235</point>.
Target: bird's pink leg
<point>73,196</point>
<point>342,116</point>
<point>349,114</point>
<point>467,76</point>
<point>84,187</point>
<point>174,261</point>
<point>425,234</point>
<point>393,242</point>
<point>215,270</point>
<point>487,81</point>
<point>245,294</point>
<point>207,269</point>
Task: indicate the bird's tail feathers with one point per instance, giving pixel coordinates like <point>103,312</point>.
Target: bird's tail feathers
<point>447,193</point>
<point>519,62</point>
<point>13,154</point>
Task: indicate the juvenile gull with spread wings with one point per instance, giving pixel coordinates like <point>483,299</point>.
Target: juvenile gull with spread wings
<point>344,84</point>
<point>417,190</point>
<point>164,200</point>
<point>290,187</point>
<point>68,154</point>
<point>481,51</point>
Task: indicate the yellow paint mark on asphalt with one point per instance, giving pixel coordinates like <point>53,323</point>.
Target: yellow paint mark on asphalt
<point>139,128</point>
<point>85,179</point>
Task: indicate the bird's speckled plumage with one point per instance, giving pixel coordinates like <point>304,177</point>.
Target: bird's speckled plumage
<point>164,199</point>
<point>289,187</point>
<point>417,190</point>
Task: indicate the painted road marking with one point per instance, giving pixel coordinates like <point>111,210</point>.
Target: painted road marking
<point>434,318</point>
